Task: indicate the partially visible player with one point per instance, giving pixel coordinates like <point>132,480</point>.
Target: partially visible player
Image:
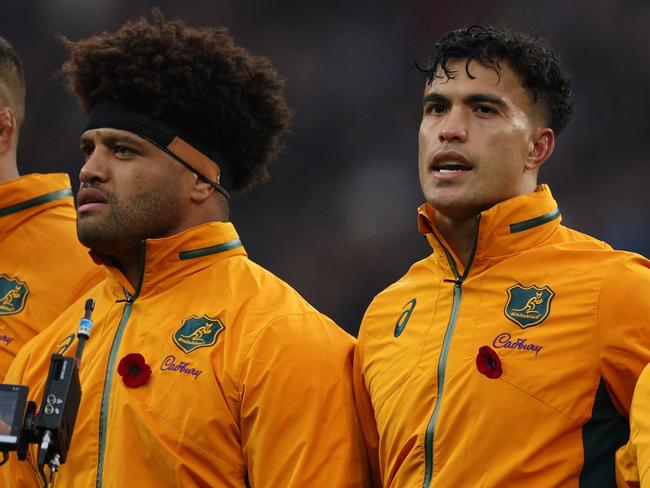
<point>633,459</point>
<point>43,267</point>
<point>203,369</point>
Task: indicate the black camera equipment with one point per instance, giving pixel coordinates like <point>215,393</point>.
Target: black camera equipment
<point>51,426</point>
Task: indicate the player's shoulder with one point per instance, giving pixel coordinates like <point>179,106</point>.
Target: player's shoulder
<point>577,239</point>
<point>419,274</point>
<point>263,290</point>
<point>628,271</point>
<point>399,295</point>
<point>268,302</point>
<point>599,254</point>
<point>620,275</point>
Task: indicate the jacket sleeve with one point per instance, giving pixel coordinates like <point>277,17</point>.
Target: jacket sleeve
<point>298,421</point>
<point>366,416</point>
<point>15,473</point>
<point>624,327</point>
<point>633,459</point>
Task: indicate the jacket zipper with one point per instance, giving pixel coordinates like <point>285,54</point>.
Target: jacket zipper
<point>444,352</point>
<point>110,368</point>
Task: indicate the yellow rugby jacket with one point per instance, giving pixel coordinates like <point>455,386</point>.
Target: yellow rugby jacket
<point>515,371</point>
<point>43,267</point>
<point>633,459</point>
<point>250,385</point>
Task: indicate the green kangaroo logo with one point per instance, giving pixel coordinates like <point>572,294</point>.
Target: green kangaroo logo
<point>531,304</point>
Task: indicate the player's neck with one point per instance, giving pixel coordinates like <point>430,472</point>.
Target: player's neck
<point>128,261</point>
<point>8,168</point>
<point>131,267</point>
<point>459,234</point>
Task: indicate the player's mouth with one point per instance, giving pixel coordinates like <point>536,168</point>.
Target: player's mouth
<point>447,164</point>
<point>90,199</point>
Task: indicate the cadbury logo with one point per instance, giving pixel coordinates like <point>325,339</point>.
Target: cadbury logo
<point>170,364</point>
<point>505,340</point>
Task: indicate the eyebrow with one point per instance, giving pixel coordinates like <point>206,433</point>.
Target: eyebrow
<point>468,100</point>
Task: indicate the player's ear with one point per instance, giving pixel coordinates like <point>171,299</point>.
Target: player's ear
<point>541,147</point>
<point>7,128</point>
<point>200,190</point>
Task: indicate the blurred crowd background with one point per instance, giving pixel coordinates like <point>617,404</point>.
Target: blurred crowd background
<point>338,221</point>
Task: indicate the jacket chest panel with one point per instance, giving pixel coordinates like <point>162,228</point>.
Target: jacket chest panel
<point>400,341</point>
<point>184,401</point>
<point>542,325</point>
<point>408,408</point>
<point>548,353</point>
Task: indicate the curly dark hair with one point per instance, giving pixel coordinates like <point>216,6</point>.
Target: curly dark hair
<point>195,79</point>
<point>12,80</point>
<point>542,73</point>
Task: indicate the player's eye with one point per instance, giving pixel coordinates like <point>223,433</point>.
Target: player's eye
<point>87,151</point>
<point>122,150</point>
<point>434,108</point>
<point>485,110</point>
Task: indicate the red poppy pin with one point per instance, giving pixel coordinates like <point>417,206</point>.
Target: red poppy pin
<point>488,363</point>
<point>133,370</point>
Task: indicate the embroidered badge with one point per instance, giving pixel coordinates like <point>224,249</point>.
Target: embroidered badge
<point>404,317</point>
<point>197,332</point>
<point>528,306</point>
<point>13,294</point>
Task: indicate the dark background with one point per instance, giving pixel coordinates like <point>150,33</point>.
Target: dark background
<point>338,221</point>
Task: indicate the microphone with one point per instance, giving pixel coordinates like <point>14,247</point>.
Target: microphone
<point>83,332</point>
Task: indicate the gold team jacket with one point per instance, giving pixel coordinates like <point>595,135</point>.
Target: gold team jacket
<point>249,385</point>
<point>633,459</point>
<point>43,267</point>
<point>516,371</point>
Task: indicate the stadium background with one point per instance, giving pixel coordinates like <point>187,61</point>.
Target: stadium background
<point>338,221</point>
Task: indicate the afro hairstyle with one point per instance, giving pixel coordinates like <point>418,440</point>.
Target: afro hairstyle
<point>195,79</point>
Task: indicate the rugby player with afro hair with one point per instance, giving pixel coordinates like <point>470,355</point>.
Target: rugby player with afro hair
<point>203,369</point>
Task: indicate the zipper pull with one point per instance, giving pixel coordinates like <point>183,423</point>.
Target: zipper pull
<point>129,298</point>
<point>457,281</point>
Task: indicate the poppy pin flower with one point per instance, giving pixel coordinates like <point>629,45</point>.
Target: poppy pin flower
<point>134,370</point>
<point>488,362</point>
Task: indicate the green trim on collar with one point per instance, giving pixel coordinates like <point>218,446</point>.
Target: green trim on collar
<point>48,197</point>
<point>529,224</point>
<point>197,253</point>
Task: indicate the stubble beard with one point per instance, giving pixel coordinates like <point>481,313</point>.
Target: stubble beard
<point>143,216</point>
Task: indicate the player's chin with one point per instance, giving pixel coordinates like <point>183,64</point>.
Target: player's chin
<point>91,233</point>
<point>442,195</point>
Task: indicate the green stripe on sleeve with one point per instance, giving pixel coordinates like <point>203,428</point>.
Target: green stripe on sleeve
<point>48,197</point>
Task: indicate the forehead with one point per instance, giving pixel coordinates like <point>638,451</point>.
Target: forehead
<point>473,75</point>
<point>106,135</point>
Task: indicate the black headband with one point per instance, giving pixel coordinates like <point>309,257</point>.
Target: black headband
<point>187,151</point>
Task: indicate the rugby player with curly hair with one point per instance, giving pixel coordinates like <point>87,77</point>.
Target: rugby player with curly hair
<point>508,357</point>
<point>203,369</point>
